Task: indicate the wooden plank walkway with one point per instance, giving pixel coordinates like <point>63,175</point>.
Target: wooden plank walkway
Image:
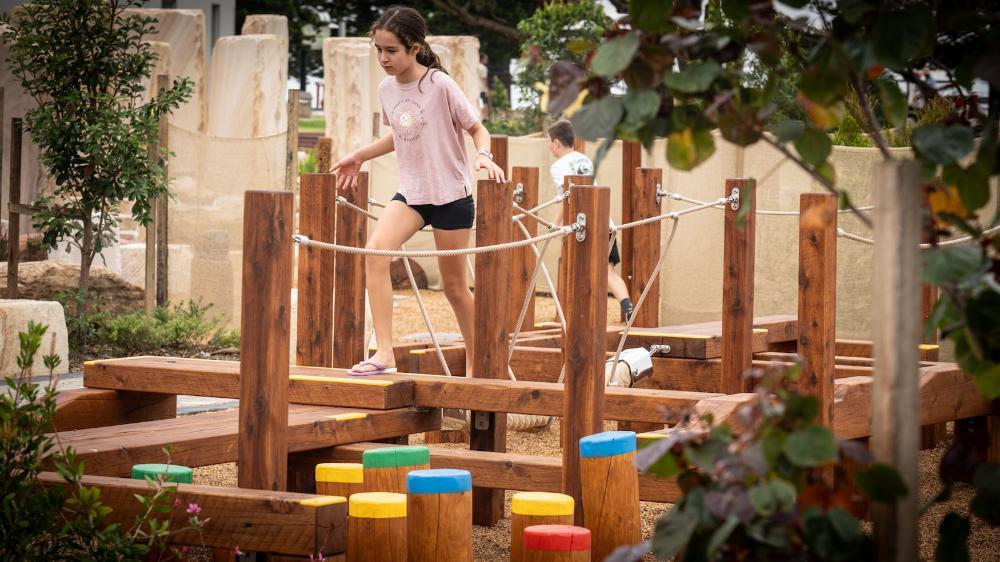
<point>211,438</point>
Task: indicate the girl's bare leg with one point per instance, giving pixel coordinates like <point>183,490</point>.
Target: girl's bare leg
<point>456,286</point>
<point>616,284</point>
<point>397,224</point>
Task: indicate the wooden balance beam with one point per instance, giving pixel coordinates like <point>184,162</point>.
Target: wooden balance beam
<point>82,408</point>
<point>331,387</point>
<point>254,520</point>
<point>211,438</point>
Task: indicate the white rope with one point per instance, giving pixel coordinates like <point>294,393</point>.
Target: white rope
<point>841,233</point>
<point>645,291</point>
<point>680,197</point>
<point>427,318</point>
<point>303,240</point>
<point>534,210</point>
<point>549,282</point>
<point>673,214</point>
<point>524,305</point>
<point>524,213</point>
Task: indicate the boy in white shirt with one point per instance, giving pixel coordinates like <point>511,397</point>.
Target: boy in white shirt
<point>572,163</point>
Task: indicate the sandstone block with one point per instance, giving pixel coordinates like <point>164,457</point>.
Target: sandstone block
<point>14,318</point>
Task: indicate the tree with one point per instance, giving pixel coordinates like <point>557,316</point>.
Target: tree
<point>84,62</point>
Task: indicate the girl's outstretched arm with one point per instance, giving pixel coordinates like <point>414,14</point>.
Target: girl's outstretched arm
<point>481,137</point>
<point>348,167</point>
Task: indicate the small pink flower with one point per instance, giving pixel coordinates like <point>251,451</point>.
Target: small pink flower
<point>184,549</point>
<point>237,551</point>
<point>177,502</point>
<point>194,509</point>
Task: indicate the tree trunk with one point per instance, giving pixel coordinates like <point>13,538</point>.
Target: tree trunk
<point>86,259</point>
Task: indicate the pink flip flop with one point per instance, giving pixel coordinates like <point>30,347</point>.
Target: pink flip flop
<point>378,370</point>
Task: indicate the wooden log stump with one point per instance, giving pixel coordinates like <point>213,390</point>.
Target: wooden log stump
<point>385,470</point>
<point>339,479</point>
<point>376,527</point>
<point>611,493</point>
<point>439,515</point>
<point>536,508</point>
<point>556,543</point>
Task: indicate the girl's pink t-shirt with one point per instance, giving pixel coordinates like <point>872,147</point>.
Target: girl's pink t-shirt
<point>428,125</point>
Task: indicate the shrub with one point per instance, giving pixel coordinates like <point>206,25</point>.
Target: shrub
<point>309,163</point>
<point>184,327</point>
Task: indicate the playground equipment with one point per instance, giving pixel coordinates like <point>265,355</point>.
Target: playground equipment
<point>559,372</point>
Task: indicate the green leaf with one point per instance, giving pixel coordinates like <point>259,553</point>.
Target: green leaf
<point>943,145</point>
<point>641,106</point>
<point>651,15</point>
<point>814,146</point>
<point>824,84</point>
<point>696,77</point>
<point>789,130</point>
<point>735,10</point>
<point>893,102</point>
<point>953,541</point>
<point>845,525</point>
<point>810,447</point>
<point>881,483</point>
<point>773,440</point>
<point>598,119</point>
<point>721,534</point>
<point>895,49</point>
<point>687,148</point>
<point>952,264</point>
<point>615,55</point>
<point>580,46</point>
<point>673,532</point>
<point>784,494</point>
<point>762,500</point>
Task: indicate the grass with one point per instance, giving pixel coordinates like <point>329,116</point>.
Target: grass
<point>312,125</point>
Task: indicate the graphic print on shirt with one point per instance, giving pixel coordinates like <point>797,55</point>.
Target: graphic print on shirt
<point>582,167</point>
<point>408,120</point>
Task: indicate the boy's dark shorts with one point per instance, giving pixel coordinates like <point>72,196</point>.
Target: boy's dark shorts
<point>456,215</point>
<point>614,258</point>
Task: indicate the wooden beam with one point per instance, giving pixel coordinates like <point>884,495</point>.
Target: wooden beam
<point>631,240</point>
<point>316,273</point>
<point>264,341</point>
<point>212,438</point>
<point>292,141</point>
<point>221,379</point>
<point>488,431</point>
<point>689,343</point>
<point>862,348</point>
<point>737,286</point>
<point>82,408</point>
<point>349,291</point>
<point>498,147</point>
<point>524,259</point>
<point>818,298</point>
<point>505,471</point>
<point>324,156</point>
<point>583,404</point>
<point>895,399</point>
<point>13,219</point>
<point>643,249</point>
<point>253,520</point>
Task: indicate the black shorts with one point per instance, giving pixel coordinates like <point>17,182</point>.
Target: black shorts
<point>456,215</point>
<point>614,258</point>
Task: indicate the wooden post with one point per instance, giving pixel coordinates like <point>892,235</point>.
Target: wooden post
<point>376,527</point>
<point>349,292</point>
<point>13,218</point>
<point>556,543</point>
<point>737,288</point>
<point>386,469</point>
<point>611,497</point>
<point>339,479</point>
<point>488,431</point>
<point>563,282</point>
<point>631,159</point>
<point>439,515</point>
<point>316,275</point>
<point>264,329</point>
<point>643,249</point>
<point>583,405</point>
<point>895,397</point>
<point>818,298</point>
<point>523,258</point>
<point>162,219</point>
<point>324,154</point>
<point>292,141</point>
<point>498,147</point>
<point>536,508</point>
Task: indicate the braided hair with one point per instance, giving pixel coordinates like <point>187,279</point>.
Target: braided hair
<point>409,27</point>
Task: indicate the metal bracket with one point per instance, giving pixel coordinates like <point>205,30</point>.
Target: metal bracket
<point>659,194</point>
<point>659,349</point>
<point>581,230</point>
<point>735,203</point>
<point>519,193</point>
<point>481,420</point>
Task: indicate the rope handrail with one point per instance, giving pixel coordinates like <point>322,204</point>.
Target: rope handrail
<point>303,240</point>
<point>527,212</point>
<point>841,233</point>
<point>680,197</point>
<point>674,214</point>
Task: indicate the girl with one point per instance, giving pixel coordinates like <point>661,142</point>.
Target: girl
<point>427,112</point>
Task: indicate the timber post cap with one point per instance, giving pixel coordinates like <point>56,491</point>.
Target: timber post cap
<point>558,538</point>
<point>390,457</point>
<point>438,481</point>
<point>343,472</point>
<point>607,444</point>
<point>643,440</point>
<point>170,472</point>
<point>377,505</point>
<point>541,503</point>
